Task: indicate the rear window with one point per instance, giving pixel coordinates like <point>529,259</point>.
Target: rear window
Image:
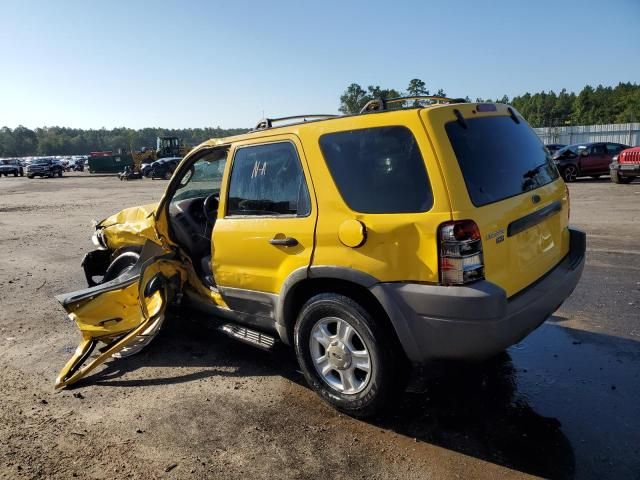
<point>378,170</point>
<point>499,158</point>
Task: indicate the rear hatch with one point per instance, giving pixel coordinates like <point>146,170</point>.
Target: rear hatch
<point>499,175</point>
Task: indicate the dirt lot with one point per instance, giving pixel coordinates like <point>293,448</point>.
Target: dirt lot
<point>563,403</point>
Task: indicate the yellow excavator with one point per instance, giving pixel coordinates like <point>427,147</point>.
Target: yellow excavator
<point>165,147</point>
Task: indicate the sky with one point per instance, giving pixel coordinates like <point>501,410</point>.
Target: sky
<point>198,63</point>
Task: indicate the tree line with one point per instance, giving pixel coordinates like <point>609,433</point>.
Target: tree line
<point>600,105</point>
<point>22,141</point>
<point>591,106</point>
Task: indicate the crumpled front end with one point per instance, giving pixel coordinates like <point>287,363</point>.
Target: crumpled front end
<point>132,277</point>
<point>129,227</point>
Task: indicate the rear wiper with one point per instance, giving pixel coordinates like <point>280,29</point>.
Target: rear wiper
<point>534,171</point>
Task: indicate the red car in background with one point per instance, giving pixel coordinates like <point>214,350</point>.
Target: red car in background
<point>625,166</point>
<point>586,159</point>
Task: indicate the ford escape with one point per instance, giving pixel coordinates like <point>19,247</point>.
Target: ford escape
<point>368,243</point>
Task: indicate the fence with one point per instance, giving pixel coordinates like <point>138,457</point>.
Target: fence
<point>627,133</point>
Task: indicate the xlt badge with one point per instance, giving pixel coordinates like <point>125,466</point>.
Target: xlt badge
<point>498,235</point>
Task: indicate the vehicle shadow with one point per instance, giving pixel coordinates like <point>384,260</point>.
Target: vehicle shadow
<point>491,411</point>
<point>601,179</point>
<point>476,410</point>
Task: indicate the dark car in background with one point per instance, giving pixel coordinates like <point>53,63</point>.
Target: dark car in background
<point>586,159</point>
<point>145,169</point>
<point>44,167</point>
<point>164,167</point>
<point>625,166</point>
<point>554,147</point>
<point>11,166</point>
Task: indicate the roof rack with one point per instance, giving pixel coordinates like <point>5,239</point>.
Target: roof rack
<point>381,103</point>
<point>268,122</point>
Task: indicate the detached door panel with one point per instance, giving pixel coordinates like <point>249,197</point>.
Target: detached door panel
<point>266,223</point>
<point>124,313</point>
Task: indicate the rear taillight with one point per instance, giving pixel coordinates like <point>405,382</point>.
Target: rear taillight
<point>461,259</point>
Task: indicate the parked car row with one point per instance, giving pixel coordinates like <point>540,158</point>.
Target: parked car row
<point>45,167</point>
<point>594,159</point>
<point>11,166</point>
<point>41,166</point>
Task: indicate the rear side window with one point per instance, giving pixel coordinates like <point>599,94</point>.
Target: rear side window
<point>614,148</point>
<point>268,180</point>
<point>499,158</point>
<point>378,170</point>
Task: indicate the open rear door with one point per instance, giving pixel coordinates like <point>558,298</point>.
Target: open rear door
<point>124,313</point>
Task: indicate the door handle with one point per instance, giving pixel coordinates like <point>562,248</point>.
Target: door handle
<point>283,241</point>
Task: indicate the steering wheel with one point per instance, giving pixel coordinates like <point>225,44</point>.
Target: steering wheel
<point>210,208</point>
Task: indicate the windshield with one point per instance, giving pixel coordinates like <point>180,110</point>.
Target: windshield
<point>499,158</point>
<point>41,161</point>
<point>5,162</point>
<point>204,178</point>
<point>570,150</point>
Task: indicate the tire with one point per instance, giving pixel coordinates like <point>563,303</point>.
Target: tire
<point>59,173</point>
<point>370,391</point>
<point>30,176</point>
<point>570,173</point>
<point>167,175</point>
<point>120,265</point>
<point>615,178</point>
<point>21,173</point>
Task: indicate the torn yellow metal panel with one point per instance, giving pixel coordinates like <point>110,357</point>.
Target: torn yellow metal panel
<point>117,317</point>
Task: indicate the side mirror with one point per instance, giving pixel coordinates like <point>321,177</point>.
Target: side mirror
<point>584,153</point>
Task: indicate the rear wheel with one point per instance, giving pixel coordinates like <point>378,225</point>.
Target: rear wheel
<point>167,175</point>
<point>570,173</point>
<point>346,356</point>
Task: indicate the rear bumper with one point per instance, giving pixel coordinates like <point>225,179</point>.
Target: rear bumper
<point>478,321</point>
<point>625,169</point>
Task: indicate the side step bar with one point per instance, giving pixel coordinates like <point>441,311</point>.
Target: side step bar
<point>246,335</point>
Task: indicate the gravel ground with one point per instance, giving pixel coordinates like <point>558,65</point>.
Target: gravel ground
<point>561,404</point>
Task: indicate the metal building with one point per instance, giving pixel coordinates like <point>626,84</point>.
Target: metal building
<point>627,133</point>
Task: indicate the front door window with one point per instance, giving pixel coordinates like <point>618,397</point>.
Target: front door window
<point>268,180</point>
<point>190,221</point>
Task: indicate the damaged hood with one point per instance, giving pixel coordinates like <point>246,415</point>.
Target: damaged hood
<point>131,226</point>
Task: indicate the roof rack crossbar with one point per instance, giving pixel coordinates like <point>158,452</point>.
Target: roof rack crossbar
<point>268,122</point>
<point>382,103</point>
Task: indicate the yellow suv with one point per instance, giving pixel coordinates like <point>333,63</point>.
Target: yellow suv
<point>369,242</point>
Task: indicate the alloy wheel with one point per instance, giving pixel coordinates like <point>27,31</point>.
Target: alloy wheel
<point>340,356</point>
<point>570,173</point>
